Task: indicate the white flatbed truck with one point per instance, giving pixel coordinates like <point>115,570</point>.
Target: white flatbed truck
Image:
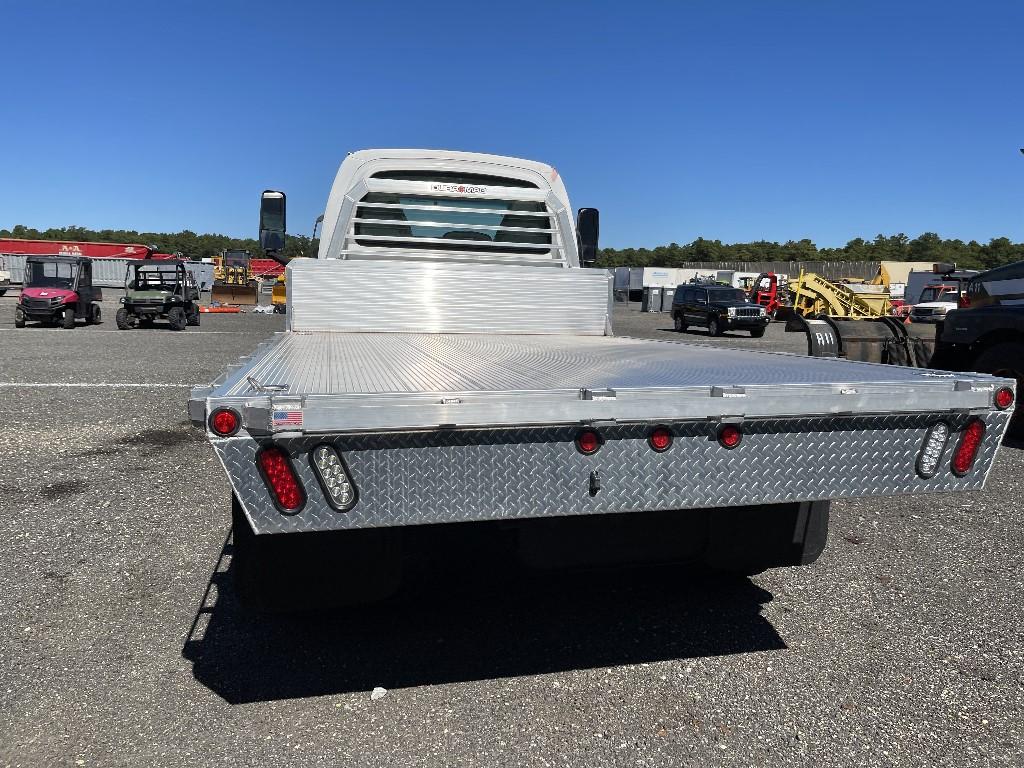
<point>447,360</point>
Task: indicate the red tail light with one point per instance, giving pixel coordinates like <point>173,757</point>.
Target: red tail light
<point>660,439</point>
<point>967,450</point>
<point>963,302</point>
<point>1004,398</point>
<point>280,478</point>
<point>588,442</point>
<point>224,422</point>
<point>730,436</point>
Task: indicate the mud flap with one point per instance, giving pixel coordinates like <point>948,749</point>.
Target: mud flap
<point>753,539</point>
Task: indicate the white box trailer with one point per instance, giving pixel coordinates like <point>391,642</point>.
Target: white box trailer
<point>368,418</point>
<point>689,275</point>
<point>651,277</point>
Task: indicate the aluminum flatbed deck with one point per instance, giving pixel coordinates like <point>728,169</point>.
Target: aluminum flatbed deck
<point>352,382</point>
<point>374,363</point>
<point>455,411</point>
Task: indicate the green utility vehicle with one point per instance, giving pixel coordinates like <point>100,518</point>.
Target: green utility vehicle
<point>163,290</point>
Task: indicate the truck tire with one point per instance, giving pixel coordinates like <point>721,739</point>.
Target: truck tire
<point>1007,360</point>
<point>121,318</point>
<point>95,316</point>
<point>757,333</point>
<point>19,318</point>
<point>680,324</point>
<point>714,329</point>
<point>291,572</point>
<point>750,540</point>
<point>177,319</point>
<point>192,316</point>
<point>67,318</point>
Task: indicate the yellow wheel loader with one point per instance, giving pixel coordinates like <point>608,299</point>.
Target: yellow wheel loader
<point>233,284</point>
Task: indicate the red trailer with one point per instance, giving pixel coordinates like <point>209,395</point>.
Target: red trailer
<point>17,247</point>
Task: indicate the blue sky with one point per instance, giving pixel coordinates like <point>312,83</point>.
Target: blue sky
<point>730,120</point>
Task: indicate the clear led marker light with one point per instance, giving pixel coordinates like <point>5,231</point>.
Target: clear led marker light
<point>932,450</point>
<point>336,484</point>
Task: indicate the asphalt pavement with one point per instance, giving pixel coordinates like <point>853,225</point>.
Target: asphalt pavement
<point>123,643</point>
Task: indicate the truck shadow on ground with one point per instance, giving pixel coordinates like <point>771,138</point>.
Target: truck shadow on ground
<point>485,619</point>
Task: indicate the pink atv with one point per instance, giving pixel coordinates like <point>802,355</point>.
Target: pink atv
<point>58,289</point>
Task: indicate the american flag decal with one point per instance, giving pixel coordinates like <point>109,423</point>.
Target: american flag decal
<point>287,419</point>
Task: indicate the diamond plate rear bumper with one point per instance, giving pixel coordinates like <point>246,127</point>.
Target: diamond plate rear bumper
<point>417,478</point>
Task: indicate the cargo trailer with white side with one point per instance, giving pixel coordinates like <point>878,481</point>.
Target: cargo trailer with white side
<point>685,275</point>
<point>496,391</point>
<point>651,277</point>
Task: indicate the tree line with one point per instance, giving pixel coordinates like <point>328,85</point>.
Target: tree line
<point>926,247</point>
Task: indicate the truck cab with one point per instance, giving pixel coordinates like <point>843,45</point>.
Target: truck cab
<point>413,205</point>
<point>935,301</point>
<point>987,333</point>
<point>1002,286</point>
<point>58,289</point>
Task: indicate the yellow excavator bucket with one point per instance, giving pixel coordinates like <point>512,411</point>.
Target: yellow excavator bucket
<point>236,289</point>
<point>234,295</point>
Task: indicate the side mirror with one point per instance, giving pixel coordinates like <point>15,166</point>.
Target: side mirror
<point>587,230</point>
<point>272,223</point>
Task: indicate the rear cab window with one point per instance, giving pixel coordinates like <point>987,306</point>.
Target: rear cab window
<point>420,220</point>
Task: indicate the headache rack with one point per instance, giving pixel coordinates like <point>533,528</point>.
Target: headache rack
<point>391,218</point>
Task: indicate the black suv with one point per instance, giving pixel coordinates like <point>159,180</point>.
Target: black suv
<point>719,308</point>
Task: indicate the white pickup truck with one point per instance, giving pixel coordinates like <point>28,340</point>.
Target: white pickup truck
<point>448,361</point>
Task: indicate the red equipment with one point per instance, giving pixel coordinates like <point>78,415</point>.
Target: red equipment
<point>765,292</point>
<point>16,247</point>
<point>264,269</point>
<point>58,289</point>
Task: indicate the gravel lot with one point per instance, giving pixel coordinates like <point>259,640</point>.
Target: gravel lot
<point>902,645</point>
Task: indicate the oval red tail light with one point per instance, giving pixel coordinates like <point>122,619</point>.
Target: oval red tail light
<point>660,439</point>
<point>1004,398</point>
<point>280,478</point>
<point>224,422</point>
<point>967,450</point>
<point>588,442</point>
<point>730,436</point>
